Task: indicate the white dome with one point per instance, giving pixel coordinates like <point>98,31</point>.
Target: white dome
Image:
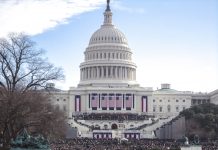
<point>108,58</point>
<point>108,34</point>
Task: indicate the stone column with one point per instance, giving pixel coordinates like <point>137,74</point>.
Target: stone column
<point>121,72</point>
<point>81,74</point>
<point>93,72</point>
<point>102,71</point>
<point>112,72</point>
<point>107,71</point>
<point>88,73</point>
<point>130,73</point>
<point>125,73</point>
<point>84,73</point>
<point>90,69</point>
<point>118,72</point>
<point>97,73</point>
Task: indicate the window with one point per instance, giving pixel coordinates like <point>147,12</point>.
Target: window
<point>168,108</point>
<point>160,109</point>
<point>104,108</point>
<point>93,98</point>
<point>177,100</point>
<point>57,99</point>
<point>117,98</point>
<point>127,97</point>
<point>177,109</point>
<point>160,100</point>
<point>111,108</point>
<point>128,108</point>
<point>94,108</point>
<point>64,108</point>
<point>168,100</point>
<point>193,101</point>
<point>183,100</point>
<point>154,109</point>
<point>118,108</point>
<point>153,100</point>
<point>102,98</point>
<point>64,100</point>
<point>110,98</point>
<point>199,101</point>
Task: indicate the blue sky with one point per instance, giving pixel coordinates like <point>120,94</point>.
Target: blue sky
<point>173,41</point>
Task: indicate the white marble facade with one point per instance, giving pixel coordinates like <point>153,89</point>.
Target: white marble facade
<point>108,82</point>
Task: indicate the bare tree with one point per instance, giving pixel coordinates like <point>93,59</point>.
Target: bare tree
<point>22,70</point>
<point>23,66</point>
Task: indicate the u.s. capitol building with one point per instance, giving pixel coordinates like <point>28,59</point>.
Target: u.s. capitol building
<point>108,88</point>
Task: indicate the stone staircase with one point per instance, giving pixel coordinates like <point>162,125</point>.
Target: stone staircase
<point>157,124</point>
<point>81,127</point>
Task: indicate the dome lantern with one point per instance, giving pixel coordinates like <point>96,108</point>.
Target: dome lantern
<point>108,15</point>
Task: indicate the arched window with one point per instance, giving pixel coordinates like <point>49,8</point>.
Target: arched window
<point>168,108</point>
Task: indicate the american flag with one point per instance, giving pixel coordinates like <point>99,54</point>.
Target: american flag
<point>104,100</point>
<point>119,99</point>
<point>77,103</point>
<point>94,100</point>
<point>129,100</point>
<point>112,100</point>
<point>144,104</point>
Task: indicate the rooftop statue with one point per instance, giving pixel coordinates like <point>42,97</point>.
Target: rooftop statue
<point>108,5</point>
<point>24,141</point>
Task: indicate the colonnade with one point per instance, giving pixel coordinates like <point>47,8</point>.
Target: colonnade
<point>105,72</point>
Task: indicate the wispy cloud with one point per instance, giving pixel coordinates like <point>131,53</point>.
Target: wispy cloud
<point>36,16</point>
<point>121,6</point>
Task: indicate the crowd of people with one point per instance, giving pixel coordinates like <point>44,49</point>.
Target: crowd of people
<point>115,144</point>
<point>107,116</point>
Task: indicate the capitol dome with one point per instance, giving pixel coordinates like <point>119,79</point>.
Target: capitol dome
<point>108,58</point>
<point>108,34</point>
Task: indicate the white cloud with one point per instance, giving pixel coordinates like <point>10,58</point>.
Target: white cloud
<point>35,16</point>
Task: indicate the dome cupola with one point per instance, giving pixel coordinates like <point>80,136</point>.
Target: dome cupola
<point>108,33</point>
